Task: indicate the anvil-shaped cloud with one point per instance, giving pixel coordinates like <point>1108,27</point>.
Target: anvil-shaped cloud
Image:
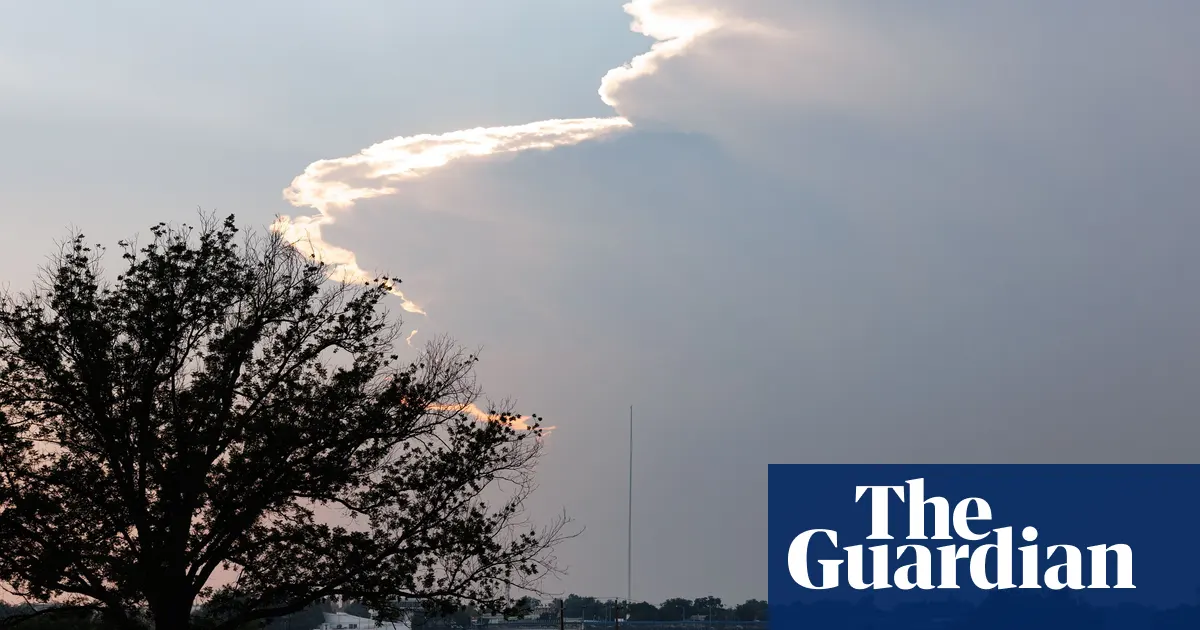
<point>333,186</point>
<point>329,186</point>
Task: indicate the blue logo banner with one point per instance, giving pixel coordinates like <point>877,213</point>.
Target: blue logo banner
<point>978,547</point>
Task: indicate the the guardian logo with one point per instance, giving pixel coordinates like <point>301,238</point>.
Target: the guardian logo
<point>967,522</point>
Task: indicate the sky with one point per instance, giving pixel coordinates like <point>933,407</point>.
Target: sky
<point>798,232</point>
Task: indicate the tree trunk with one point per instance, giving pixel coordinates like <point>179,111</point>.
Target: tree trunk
<point>173,616</point>
<point>114,618</point>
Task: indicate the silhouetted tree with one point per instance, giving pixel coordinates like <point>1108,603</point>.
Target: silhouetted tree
<point>215,406</point>
<point>751,610</point>
<point>578,607</point>
<point>675,608</point>
<point>642,611</point>
<point>524,606</point>
<point>710,607</point>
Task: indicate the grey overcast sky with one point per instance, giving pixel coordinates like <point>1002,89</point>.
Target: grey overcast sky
<point>836,232</point>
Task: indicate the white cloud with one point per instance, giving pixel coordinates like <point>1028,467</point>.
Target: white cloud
<point>776,55</point>
<point>333,185</point>
<point>763,63</point>
<point>677,26</point>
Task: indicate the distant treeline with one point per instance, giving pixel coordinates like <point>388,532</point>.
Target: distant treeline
<point>31,619</point>
<point>674,609</point>
<point>573,607</point>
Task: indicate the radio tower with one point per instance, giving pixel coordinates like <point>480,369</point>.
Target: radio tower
<point>629,533</point>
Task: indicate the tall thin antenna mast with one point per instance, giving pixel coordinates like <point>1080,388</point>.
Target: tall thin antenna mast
<point>629,557</point>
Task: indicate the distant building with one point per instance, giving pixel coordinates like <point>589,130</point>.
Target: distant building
<point>409,606</point>
<point>346,621</point>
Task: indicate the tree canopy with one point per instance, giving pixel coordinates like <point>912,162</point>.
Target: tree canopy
<point>221,423</point>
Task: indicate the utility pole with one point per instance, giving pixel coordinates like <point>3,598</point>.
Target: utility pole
<point>562,605</point>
